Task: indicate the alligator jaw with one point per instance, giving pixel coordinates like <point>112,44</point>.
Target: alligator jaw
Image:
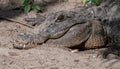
<point>29,40</point>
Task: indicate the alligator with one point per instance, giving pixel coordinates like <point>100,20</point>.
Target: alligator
<point>86,27</point>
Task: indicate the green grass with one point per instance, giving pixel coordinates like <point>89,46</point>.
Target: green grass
<point>27,6</point>
<point>92,2</point>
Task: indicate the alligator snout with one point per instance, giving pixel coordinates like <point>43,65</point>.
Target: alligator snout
<point>29,40</point>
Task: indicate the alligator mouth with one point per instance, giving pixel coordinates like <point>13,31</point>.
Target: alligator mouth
<point>29,40</point>
<point>23,45</point>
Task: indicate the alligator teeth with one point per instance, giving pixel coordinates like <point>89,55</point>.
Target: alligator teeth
<point>20,45</point>
<point>24,46</point>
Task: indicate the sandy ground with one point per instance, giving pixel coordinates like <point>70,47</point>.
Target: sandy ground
<point>47,57</point>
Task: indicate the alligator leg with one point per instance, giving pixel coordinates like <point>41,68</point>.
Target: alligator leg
<point>98,36</point>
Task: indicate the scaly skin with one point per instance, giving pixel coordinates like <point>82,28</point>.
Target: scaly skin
<point>88,25</point>
<point>64,31</point>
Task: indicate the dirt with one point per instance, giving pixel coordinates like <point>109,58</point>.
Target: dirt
<point>45,56</point>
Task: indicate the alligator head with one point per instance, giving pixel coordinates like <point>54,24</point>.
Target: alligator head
<point>64,29</point>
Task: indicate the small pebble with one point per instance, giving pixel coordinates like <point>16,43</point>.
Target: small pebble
<point>75,51</point>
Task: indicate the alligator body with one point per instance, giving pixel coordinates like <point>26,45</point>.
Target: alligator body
<point>88,27</point>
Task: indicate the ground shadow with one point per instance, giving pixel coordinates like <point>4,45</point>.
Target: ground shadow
<point>18,11</point>
<point>10,13</point>
<point>115,35</point>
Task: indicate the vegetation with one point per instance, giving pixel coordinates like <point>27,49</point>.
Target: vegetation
<point>66,0</point>
<point>28,6</point>
<point>92,2</point>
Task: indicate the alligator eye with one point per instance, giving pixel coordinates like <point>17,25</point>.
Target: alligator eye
<point>60,18</point>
